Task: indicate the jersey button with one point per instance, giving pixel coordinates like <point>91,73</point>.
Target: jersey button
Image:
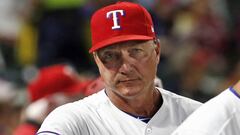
<point>149,130</point>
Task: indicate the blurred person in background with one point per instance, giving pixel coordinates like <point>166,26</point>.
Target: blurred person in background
<point>53,86</point>
<point>218,116</point>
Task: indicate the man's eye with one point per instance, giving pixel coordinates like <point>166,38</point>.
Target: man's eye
<point>108,57</point>
<point>135,51</point>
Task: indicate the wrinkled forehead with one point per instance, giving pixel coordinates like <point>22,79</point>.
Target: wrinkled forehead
<point>127,44</point>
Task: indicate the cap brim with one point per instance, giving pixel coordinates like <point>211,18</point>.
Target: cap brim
<point>118,39</point>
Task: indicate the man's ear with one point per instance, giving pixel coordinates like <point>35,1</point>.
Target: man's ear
<point>95,57</point>
<point>157,46</point>
<point>157,49</point>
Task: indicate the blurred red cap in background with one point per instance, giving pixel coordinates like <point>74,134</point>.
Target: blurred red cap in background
<point>53,79</point>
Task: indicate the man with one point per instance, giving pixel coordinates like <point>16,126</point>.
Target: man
<point>127,53</point>
<point>219,116</point>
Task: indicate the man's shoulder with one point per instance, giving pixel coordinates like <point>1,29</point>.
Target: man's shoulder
<point>178,102</point>
<point>168,95</point>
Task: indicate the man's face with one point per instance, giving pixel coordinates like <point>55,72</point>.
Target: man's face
<point>128,68</point>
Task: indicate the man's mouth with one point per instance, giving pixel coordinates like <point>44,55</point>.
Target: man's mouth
<point>127,80</point>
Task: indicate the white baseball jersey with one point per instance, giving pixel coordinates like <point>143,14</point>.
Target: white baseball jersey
<point>219,116</point>
<point>96,115</point>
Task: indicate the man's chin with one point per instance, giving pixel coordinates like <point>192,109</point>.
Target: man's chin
<point>129,92</point>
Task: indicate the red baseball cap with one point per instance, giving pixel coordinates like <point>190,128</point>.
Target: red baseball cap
<point>53,79</point>
<point>120,22</point>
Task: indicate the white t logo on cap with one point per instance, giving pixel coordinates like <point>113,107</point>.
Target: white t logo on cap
<point>114,14</point>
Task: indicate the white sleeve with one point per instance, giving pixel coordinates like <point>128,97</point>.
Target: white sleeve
<point>218,116</point>
<point>63,121</point>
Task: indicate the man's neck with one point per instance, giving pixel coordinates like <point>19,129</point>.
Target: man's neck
<point>143,105</point>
